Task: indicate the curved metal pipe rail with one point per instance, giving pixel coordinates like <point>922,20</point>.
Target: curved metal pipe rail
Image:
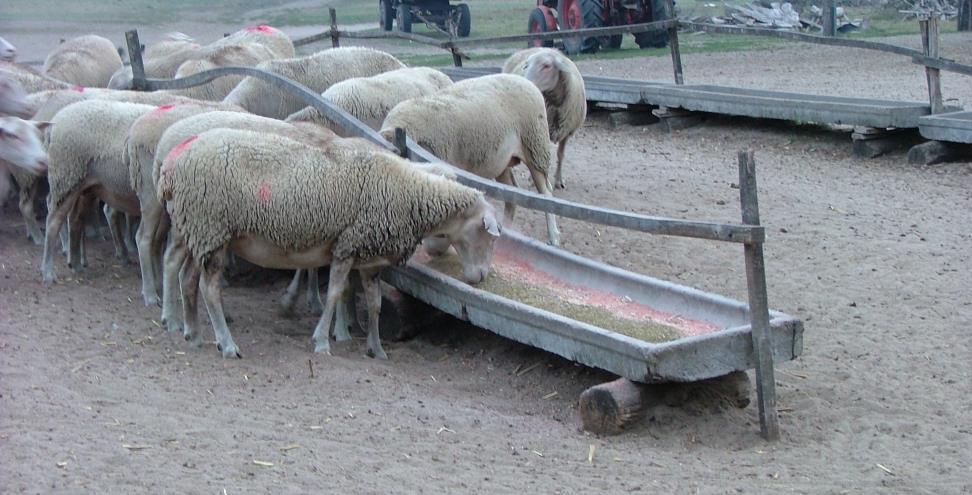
<point>747,234</point>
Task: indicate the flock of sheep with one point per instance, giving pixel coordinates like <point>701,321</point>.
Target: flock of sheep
<point>237,167</point>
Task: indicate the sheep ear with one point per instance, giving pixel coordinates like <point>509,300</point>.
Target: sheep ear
<point>492,226</point>
<point>41,125</point>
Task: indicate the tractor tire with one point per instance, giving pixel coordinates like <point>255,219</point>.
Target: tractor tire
<point>581,14</point>
<point>386,15</point>
<point>465,20</point>
<point>654,39</point>
<point>537,23</point>
<point>404,17</point>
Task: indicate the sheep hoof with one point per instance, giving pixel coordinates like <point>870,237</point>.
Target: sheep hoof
<point>171,325</point>
<point>322,347</point>
<point>560,185</point>
<point>378,355</point>
<point>194,340</point>
<point>152,300</point>
<point>229,351</point>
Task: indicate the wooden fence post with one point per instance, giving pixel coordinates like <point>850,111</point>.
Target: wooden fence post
<point>335,41</point>
<point>758,304</point>
<point>135,56</point>
<point>673,43</point>
<point>829,20</point>
<point>929,45</point>
<point>965,15</point>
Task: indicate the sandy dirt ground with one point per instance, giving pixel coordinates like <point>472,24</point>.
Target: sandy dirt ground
<point>873,254</point>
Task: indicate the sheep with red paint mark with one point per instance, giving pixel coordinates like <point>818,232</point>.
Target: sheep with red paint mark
<point>369,99</point>
<point>52,103</point>
<point>348,207</point>
<point>183,130</point>
<point>563,91</point>
<point>486,125</point>
<point>318,72</point>
<point>87,159</point>
<point>88,60</point>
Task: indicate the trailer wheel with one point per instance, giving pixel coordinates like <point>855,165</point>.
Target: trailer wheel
<point>465,20</point>
<point>537,23</point>
<point>386,15</point>
<point>404,18</point>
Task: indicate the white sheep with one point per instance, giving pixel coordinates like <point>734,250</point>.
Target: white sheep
<point>21,149</point>
<point>87,158</point>
<point>164,62</point>
<point>272,38</point>
<point>563,91</point>
<point>88,61</point>
<point>349,207</point>
<point>29,78</point>
<point>13,98</point>
<point>54,102</point>
<point>318,72</point>
<point>171,42</point>
<point>369,99</point>
<point>243,55</point>
<point>175,253</point>
<point>8,52</point>
<point>485,125</point>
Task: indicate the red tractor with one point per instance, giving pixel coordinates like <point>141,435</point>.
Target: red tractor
<point>554,15</point>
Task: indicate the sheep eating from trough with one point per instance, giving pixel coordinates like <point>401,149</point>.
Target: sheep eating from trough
<point>318,72</point>
<point>88,61</point>
<point>563,91</point>
<point>485,125</point>
<point>175,251</point>
<point>349,207</point>
<point>369,99</point>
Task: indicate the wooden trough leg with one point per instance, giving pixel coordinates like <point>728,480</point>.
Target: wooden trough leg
<point>673,119</point>
<point>758,304</point>
<point>609,408</point>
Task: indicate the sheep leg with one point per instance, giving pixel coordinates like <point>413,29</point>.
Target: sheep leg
<point>158,246</point>
<point>26,203</point>
<point>561,147</point>
<point>342,316</point>
<point>146,259</point>
<point>372,292</point>
<point>114,218</point>
<point>130,229</point>
<point>175,255</point>
<point>76,224</point>
<point>189,280</point>
<point>543,187</point>
<point>314,292</point>
<point>336,282</point>
<point>509,209</point>
<point>55,219</point>
<point>290,295</point>
<point>213,296</point>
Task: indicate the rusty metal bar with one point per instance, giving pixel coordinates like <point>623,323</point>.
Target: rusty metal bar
<point>135,56</point>
<point>758,303</point>
<point>657,225</point>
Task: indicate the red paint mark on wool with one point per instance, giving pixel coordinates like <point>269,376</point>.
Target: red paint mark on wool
<point>262,28</point>
<point>169,160</point>
<point>164,108</point>
<point>79,89</point>
<point>263,193</point>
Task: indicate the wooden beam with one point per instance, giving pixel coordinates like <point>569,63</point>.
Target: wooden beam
<point>135,56</point>
<point>673,43</point>
<point>929,45</point>
<point>335,34</point>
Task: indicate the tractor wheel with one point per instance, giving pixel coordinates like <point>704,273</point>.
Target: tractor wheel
<point>579,14</point>
<point>404,18</point>
<point>654,39</point>
<point>386,15</point>
<point>538,24</point>
<point>465,20</point>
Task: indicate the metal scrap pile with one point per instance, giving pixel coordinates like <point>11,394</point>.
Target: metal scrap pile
<point>779,16</point>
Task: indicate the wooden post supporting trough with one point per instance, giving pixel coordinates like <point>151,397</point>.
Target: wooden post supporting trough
<point>135,56</point>
<point>929,45</point>
<point>758,304</point>
<point>335,36</point>
<point>673,43</point>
